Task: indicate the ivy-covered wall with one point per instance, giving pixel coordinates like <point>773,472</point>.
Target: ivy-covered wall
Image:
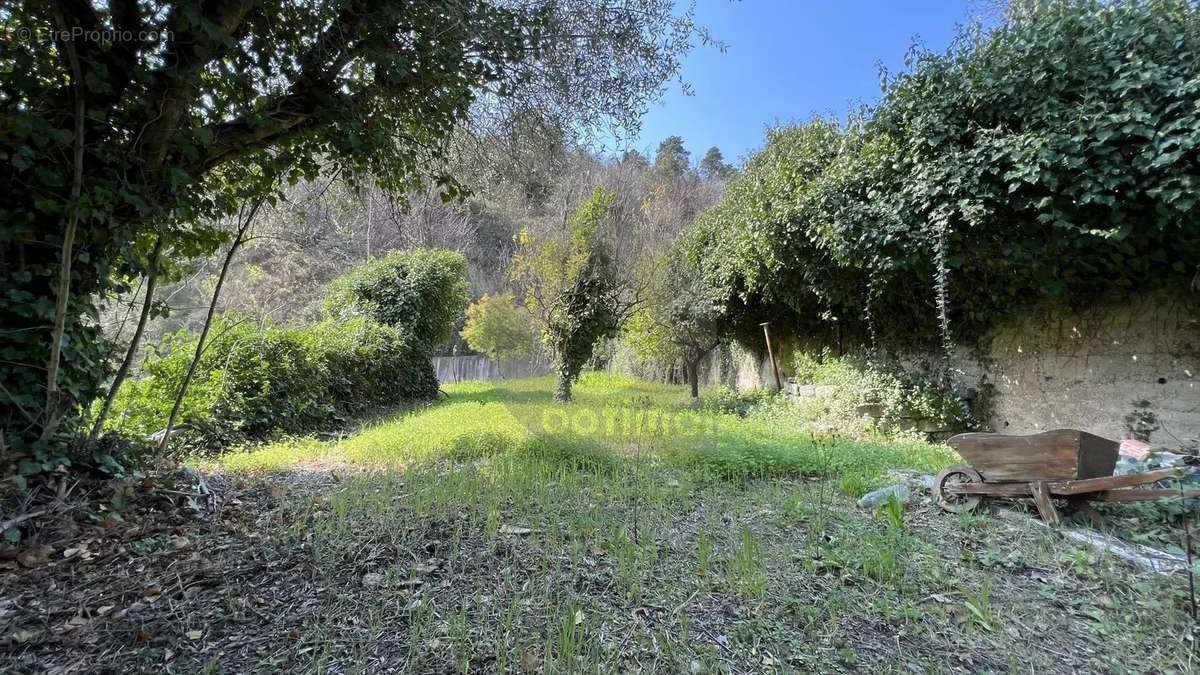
<point>1051,161</point>
<point>1121,369</point>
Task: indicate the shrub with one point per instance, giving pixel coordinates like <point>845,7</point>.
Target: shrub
<point>385,317</point>
<point>272,379</point>
<point>904,397</point>
<point>723,400</point>
<point>370,364</point>
<point>422,292</point>
<point>143,405</point>
<point>252,382</point>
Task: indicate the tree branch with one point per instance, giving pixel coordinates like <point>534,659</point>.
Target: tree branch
<point>172,91</point>
<point>63,292</point>
<point>134,342</point>
<point>243,227</point>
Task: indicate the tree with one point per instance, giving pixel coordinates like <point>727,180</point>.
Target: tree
<point>681,319</point>
<point>635,159</point>
<point>671,161</point>
<point>714,166</point>
<point>572,287</point>
<point>496,326</point>
<point>196,107</point>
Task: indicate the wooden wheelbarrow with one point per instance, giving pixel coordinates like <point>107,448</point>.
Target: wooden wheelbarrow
<point>1065,463</point>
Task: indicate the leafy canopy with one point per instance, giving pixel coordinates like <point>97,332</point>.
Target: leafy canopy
<point>678,320</point>
<point>1050,161</point>
<point>496,326</point>
<point>423,292</point>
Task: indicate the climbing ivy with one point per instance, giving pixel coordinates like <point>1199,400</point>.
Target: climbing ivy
<point>1050,161</point>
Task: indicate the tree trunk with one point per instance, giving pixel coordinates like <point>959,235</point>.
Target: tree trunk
<point>134,343</point>
<point>63,293</point>
<point>694,377</point>
<point>212,309</point>
<point>562,393</point>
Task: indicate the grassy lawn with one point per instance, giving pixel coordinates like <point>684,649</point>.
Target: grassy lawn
<point>484,534</point>
<point>611,418</point>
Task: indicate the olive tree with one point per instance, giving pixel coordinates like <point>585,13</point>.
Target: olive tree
<point>681,319</point>
<point>130,126</point>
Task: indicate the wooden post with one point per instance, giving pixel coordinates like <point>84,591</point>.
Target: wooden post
<point>771,355</point>
<point>1045,507</point>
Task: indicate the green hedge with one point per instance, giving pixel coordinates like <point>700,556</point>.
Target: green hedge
<point>423,292</point>
<point>1051,162</point>
<point>385,319</point>
<point>254,381</point>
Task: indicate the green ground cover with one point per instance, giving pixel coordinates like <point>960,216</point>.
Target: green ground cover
<point>500,531</point>
<point>464,537</point>
<point>613,417</point>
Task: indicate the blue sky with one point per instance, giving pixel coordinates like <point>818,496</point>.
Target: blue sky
<point>789,59</point>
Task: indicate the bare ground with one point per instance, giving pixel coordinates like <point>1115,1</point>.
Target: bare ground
<point>325,568</point>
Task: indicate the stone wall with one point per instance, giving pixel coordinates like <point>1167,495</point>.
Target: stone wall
<point>737,369</point>
<point>1117,370</point>
<point>721,367</point>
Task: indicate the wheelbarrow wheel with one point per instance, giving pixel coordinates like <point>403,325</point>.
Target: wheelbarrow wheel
<point>957,475</point>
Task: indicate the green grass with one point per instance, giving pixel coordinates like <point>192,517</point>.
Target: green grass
<point>610,415</point>
<point>603,543</point>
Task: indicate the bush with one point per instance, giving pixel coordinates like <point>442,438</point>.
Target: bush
<point>422,292</point>
<point>370,364</point>
<point>904,397</point>
<point>723,400</point>
<point>385,319</point>
<point>253,382</point>
<point>142,406</point>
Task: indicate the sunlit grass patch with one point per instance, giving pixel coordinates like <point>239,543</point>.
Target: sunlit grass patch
<point>278,456</point>
<point>747,448</point>
<point>496,544</point>
<point>611,417</point>
<point>459,428</point>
